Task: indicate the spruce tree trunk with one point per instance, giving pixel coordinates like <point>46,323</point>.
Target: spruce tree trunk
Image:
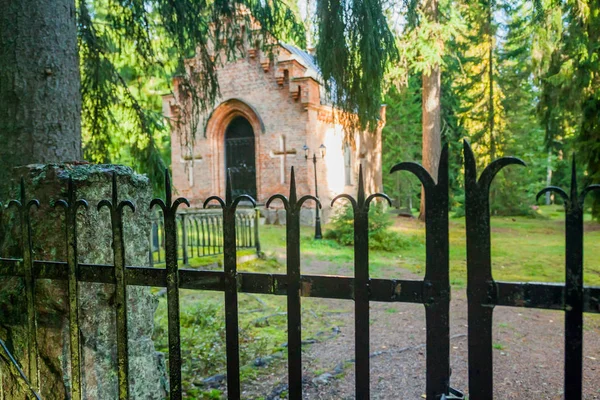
<point>40,101</point>
<point>432,116</point>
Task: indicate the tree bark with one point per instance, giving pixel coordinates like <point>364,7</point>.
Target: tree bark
<point>40,101</point>
<point>432,116</point>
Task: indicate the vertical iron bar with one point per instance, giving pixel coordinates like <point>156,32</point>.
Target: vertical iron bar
<point>204,237</point>
<point>246,231</point>
<point>216,235</point>
<point>29,281</point>
<point>171,259</point>
<point>209,228</point>
<point>240,232</point>
<point>293,206</point>
<point>231,297</point>
<point>437,284</point>
<point>245,236</point>
<point>151,246</point>
<point>361,293</point>
<point>479,279</point>
<point>184,239</point>
<point>73,287</point>
<point>256,231</point>
<point>481,288</point>
<point>220,235</point>
<point>293,295</point>
<point>197,237</point>
<point>116,210</point>
<point>574,293</point>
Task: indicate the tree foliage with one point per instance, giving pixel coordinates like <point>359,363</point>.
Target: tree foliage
<point>129,49</point>
<point>354,50</point>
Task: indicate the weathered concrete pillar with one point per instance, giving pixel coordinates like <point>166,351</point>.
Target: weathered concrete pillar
<point>48,183</point>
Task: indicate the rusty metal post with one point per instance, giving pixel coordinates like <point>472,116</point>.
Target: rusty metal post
<point>229,207</point>
<point>116,215</point>
<point>292,209</point>
<point>574,290</point>
<point>71,206</point>
<point>482,292</point>
<point>362,290</point>
<point>24,208</point>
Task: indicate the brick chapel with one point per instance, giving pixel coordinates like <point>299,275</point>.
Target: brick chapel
<point>272,114</point>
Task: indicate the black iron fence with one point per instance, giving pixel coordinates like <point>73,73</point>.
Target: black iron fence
<point>433,291</point>
<point>200,234</point>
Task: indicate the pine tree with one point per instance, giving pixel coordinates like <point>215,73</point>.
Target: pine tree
<point>570,81</point>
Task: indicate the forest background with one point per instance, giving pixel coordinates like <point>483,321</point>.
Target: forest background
<point>519,78</point>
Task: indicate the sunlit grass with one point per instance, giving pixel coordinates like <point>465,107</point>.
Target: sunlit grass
<point>523,249</point>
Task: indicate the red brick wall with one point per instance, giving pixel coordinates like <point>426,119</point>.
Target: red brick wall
<point>274,107</point>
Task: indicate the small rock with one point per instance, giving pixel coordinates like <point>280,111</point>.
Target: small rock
<point>214,381</point>
<point>260,362</point>
<point>322,379</point>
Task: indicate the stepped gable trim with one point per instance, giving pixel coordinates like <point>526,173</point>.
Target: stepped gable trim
<point>291,62</point>
<point>304,58</point>
<point>222,114</point>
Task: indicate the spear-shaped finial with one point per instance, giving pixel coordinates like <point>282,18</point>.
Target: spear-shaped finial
<point>228,190</point>
<point>293,195</point>
<point>360,196</point>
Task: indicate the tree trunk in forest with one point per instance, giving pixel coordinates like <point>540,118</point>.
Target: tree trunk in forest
<point>492,111</point>
<point>40,101</point>
<point>549,177</point>
<point>432,116</point>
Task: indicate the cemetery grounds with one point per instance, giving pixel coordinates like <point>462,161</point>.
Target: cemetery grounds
<point>528,344</point>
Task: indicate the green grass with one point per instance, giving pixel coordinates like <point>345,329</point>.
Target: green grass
<point>523,249</point>
<point>203,261</point>
<point>262,333</point>
<point>498,346</point>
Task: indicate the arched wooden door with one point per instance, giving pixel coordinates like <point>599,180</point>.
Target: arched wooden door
<point>240,157</point>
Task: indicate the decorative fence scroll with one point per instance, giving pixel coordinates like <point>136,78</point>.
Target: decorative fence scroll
<point>433,291</point>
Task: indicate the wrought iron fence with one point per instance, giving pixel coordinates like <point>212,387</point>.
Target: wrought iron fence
<point>484,293</point>
<point>200,234</point>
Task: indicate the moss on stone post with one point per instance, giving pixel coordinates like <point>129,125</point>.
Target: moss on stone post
<point>48,183</point>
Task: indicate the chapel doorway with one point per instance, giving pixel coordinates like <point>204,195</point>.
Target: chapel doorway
<point>240,158</point>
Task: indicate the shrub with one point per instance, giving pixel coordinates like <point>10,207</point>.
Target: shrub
<point>380,236</point>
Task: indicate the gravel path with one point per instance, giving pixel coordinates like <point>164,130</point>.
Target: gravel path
<point>528,352</point>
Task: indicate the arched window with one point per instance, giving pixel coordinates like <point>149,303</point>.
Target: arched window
<point>240,157</point>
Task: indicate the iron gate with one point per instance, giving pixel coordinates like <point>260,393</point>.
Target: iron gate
<point>433,291</point>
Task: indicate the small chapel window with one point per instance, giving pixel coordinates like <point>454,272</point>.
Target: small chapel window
<point>348,164</point>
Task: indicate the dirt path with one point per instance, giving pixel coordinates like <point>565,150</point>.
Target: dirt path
<point>528,352</point>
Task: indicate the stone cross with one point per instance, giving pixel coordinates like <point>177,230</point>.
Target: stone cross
<point>189,160</point>
<point>282,154</point>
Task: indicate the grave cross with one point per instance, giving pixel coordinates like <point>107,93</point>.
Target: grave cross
<point>282,154</point>
<point>189,160</point>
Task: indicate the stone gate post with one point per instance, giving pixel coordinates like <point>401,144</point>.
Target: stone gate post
<point>48,183</point>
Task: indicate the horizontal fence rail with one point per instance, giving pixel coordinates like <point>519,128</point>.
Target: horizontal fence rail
<point>179,233</point>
